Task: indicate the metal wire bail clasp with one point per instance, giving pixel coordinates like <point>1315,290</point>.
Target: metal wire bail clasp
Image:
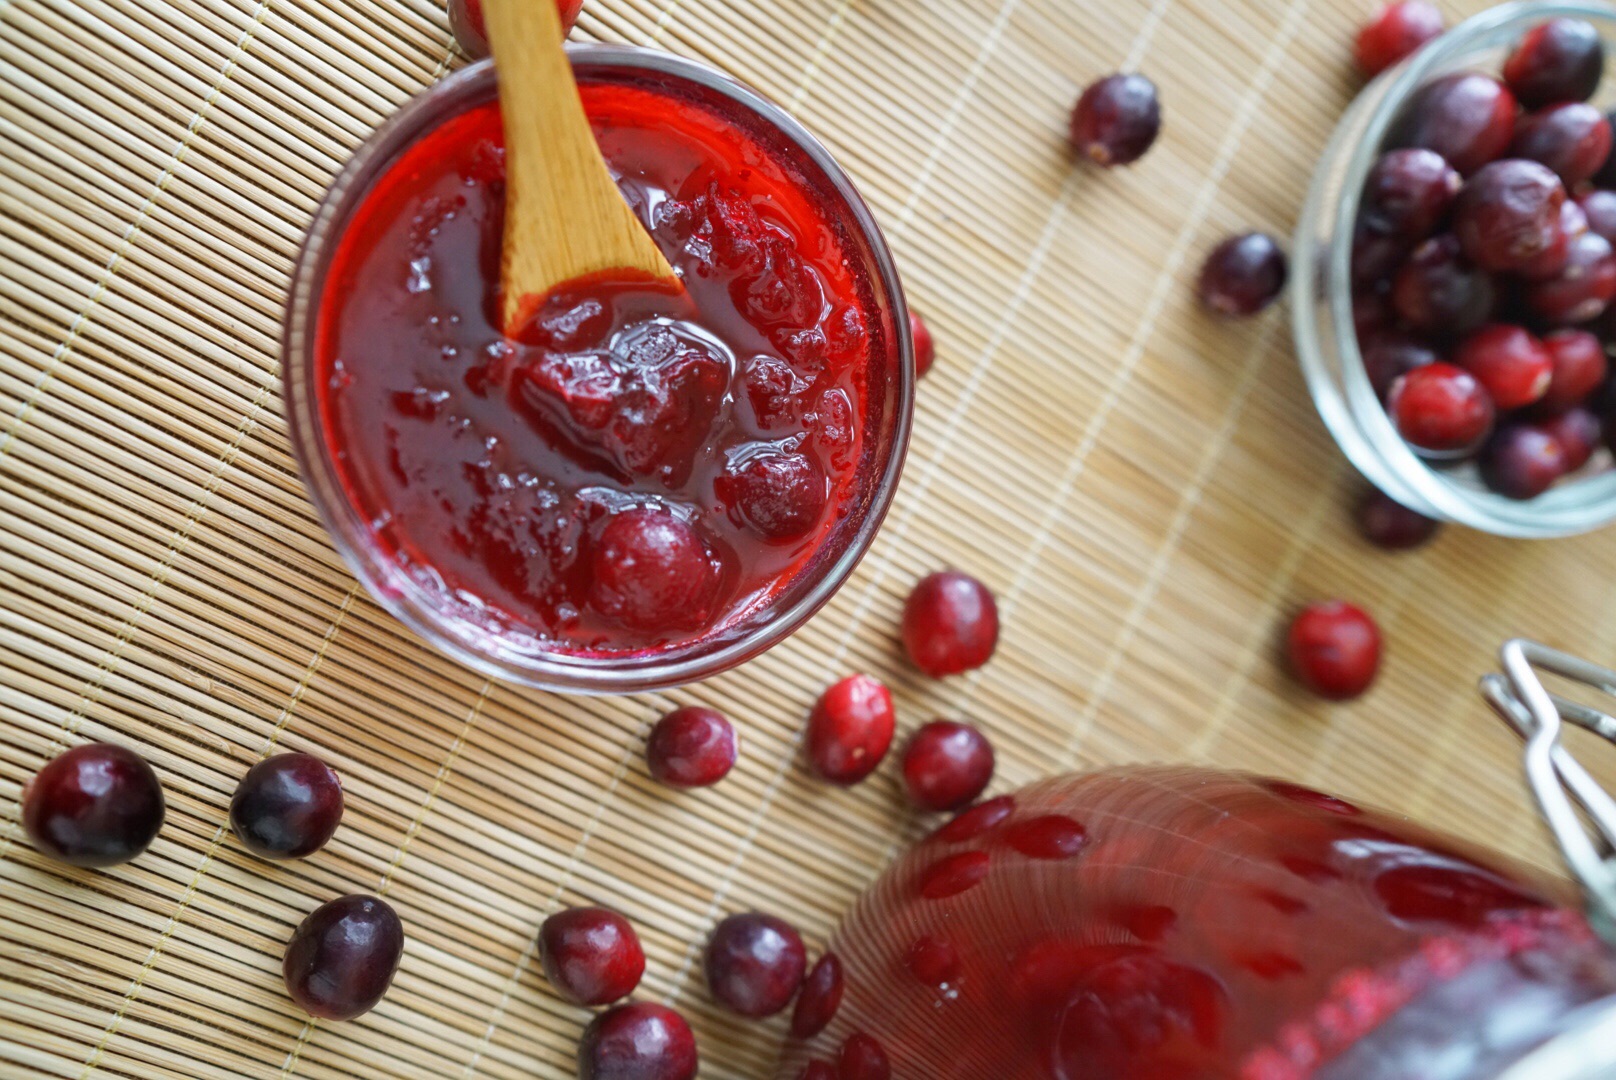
<point>1555,776</point>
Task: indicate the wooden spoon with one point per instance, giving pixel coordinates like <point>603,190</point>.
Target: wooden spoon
<point>564,217</point>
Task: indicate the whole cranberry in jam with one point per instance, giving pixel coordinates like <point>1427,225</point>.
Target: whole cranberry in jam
<point>862,1058</point>
<point>950,624</point>
<point>1395,31</point>
<point>1441,408</point>
<point>780,495</point>
<point>925,347</point>
<point>1508,214</point>
<point>287,806</point>
<point>471,31</point>
<point>1243,274</point>
<point>1466,117</point>
<point>93,805</point>
<point>946,765</point>
<point>1583,289</point>
<point>1390,525</point>
<point>1390,356</point>
<point>637,1041</point>
<point>1334,649</point>
<point>850,729</point>
<point>1578,431</point>
<point>754,964</point>
<point>1580,366</point>
<point>1116,120</point>
<point>651,571</point>
<point>590,955</point>
<point>342,957</point>
<point>1512,365</point>
<point>1522,462</point>
<point>821,996</point>
<point>1572,138</point>
<point>1439,291</point>
<point>1562,60</point>
<point>691,747</point>
<point>1409,193</point>
<point>1599,210</point>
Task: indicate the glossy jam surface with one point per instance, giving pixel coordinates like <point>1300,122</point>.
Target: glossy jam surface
<point>731,418</point>
<point>1170,924</point>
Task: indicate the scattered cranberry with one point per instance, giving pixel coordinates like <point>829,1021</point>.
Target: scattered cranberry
<point>341,959</point>
<point>1599,209</point>
<point>1578,431</point>
<point>946,765</point>
<point>1511,364</point>
<point>1467,118</point>
<point>466,23</point>
<point>862,1058</point>
<point>850,729</point>
<point>94,805</point>
<point>691,747</point>
<point>1116,120</point>
<point>1243,274</point>
<point>652,571</point>
<point>1508,214</point>
<point>1396,30</point>
<point>1522,462</point>
<point>286,807</point>
<point>638,1041</point>
<point>1388,524</point>
<point>1441,408</point>
<point>1572,138</point>
<point>925,348</point>
<point>754,964</point>
<point>1562,60</point>
<point>1439,291</point>
<point>1388,358</point>
<point>1409,193</point>
<point>590,955</point>
<point>778,494</point>
<point>950,624</point>
<point>820,998</point>
<point>1580,367</point>
<point>1583,290</point>
<point>1334,649</point>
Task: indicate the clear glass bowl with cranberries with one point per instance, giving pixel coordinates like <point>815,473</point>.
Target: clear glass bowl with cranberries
<point>1455,289</point>
<point>633,489</point>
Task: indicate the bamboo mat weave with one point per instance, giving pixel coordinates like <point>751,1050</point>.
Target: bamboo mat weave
<point>1147,490</point>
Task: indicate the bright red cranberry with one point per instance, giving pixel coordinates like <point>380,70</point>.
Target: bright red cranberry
<point>1562,60</point>
<point>1583,290</point>
<point>820,998</point>
<point>1578,431</point>
<point>862,1058</point>
<point>1396,31</point>
<point>1467,118</point>
<point>933,961</point>
<point>1599,208</point>
<point>925,348</point>
<point>1243,274</point>
<point>1508,214</point>
<point>342,957</point>
<point>1522,462</point>
<point>1334,649</point>
<point>950,624</point>
<point>1050,837</point>
<point>850,729</point>
<point>777,494</point>
<point>652,571</point>
<point>1390,525</point>
<point>286,807</point>
<point>953,874</point>
<point>1580,367</point>
<point>1441,408</point>
<point>637,1041</point>
<point>1511,364</point>
<point>1409,193</point>
<point>590,955</point>
<point>754,964</point>
<point>1392,356</point>
<point>466,22</point>
<point>1439,291</point>
<point>1572,138</point>
<point>980,819</point>
<point>1116,120</point>
<point>691,747</point>
<point>94,805</point>
<point>946,765</point>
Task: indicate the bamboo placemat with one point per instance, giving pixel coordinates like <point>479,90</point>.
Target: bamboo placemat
<point>1147,489</point>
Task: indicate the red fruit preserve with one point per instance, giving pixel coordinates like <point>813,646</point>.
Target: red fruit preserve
<point>1170,924</point>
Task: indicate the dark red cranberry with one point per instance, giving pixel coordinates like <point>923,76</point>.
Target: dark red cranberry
<point>983,818</point>
<point>1243,274</point>
<point>1441,408</point>
<point>1050,837</point>
<point>470,31</point>
<point>1557,256</point>
<point>1467,118</point>
<point>1583,290</point>
<point>1508,214</point>
<point>820,998</point>
<point>754,964</point>
<point>1511,364</point>
<point>1580,367</point>
<point>1116,120</point>
<point>1371,314</point>
<point>1599,208</point>
<point>637,1041</point>
<point>777,494</point>
<point>1572,138</point>
<point>862,1058</point>
<point>1392,356</point>
<point>590,955</point>
<point>286,807</point>
<point>950,624</point>
<point>1388,524</point>
<point>953,874</point>
<point>651,571</point>
<point>691,747</point>
<point>1409,193</point>
<point>1376,255</point>
<point>1334,649</point>
<point>1522,462</point>
<point>93,805</point>
<point>946,765</point>
<point>1562,60</point>
<point>1439,291</point>
<point>925,348</point>
<point>341,959</point>
<point>1396,31</point>
<point>933,961</point>
<point>850,729</point>
<point>1578,431</point>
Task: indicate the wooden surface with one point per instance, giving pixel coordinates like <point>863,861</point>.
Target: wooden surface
<point>1147,489</point>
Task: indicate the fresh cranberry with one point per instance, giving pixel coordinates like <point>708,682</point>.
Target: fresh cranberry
<point>1409,193</point>
<point>1562,60</point>
<point>1572,138</point>
<point>287,806</point>
<point>1578,431</point>
<point>777,494</point>
<point>1334,649</point>
<point>1580,367</point>
<point>342,957</point>
<point>466,23</point>
<point>979,819</point>
<point>1392,356</point>
<point>925,348</point>
<point>1243,274</point>
<point>933,961</point>
<point>1396,31</point>
<point>1508,214</point>
<point>820,998</point>
<point>1439,291</point>
<point>93,805</point>
<point>1522,462</point>
<point>950,624</point>
<point>1511,364</point>
<point>652,571</point>
<point>1583,290</point>
<point>850,729</point>
<point>754,964</point>
<point>1557,256</point>
<point>691,747</point>
<point>1599,208</point>
<point>1376,255</point>
<point>590,955</point>
<point>1116,120</point>
<point>946,765</point>
<point>637,1041</point>
<point>1388,524</point>
<point>862,1058</point>
<point>1467,118</point>
<point>1441,408</point>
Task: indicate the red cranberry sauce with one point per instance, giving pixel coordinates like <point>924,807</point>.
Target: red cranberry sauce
<point>1206,925</point>
<point>490,467</point>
